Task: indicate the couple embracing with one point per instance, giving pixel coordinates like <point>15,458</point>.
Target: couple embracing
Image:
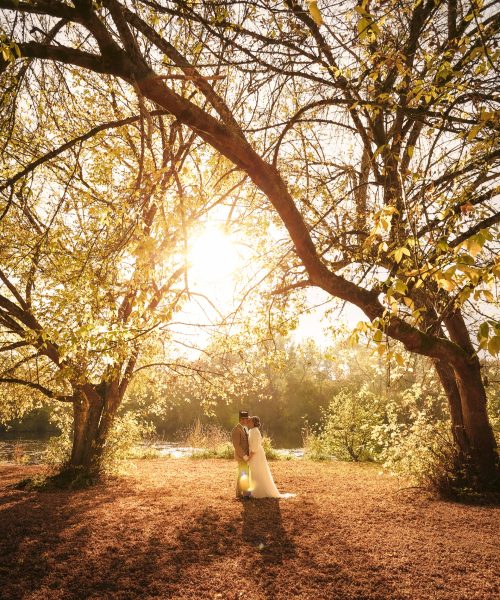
<point>254,476</point>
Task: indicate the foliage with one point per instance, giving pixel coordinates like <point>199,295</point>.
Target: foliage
<point>492,378</point>
<point>124,442</point>
<point>224,450</point>
<point>19,457</point>
<point>271,453</point>
<point>347,426</point>
<point>423,452</point>
<point>125,437</point>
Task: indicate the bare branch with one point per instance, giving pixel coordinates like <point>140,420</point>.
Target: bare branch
<point>37,386</point>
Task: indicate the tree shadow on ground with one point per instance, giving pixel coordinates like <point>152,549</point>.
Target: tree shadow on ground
<point>126,540</point>
<point>42,532</point>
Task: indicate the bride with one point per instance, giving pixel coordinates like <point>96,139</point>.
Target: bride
<point>262,481</point>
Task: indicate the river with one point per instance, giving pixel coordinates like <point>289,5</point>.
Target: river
<point>31,450</point>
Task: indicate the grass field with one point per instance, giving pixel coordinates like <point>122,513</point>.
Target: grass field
<point>172,529</point>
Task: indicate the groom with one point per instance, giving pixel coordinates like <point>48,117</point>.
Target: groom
<point>239,438</point>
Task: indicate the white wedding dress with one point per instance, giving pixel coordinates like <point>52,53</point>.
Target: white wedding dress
<point>262,483</point>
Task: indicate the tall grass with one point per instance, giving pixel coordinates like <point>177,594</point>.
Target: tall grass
<point>213,441</point>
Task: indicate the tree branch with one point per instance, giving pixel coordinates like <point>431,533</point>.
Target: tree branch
<point>37,386</point>
<point>57,151</point>
<point>473,230</point>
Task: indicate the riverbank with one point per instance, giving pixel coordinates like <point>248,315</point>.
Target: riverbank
<point>33,451</point>
<point>171,529</point>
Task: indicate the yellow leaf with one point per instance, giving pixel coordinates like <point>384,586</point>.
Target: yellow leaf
<point>447,284</point>
<point>399,359</point>
<point>474,247</point>
<point>363,25</point>
<point>474,131</point>
<point>494,345</point>
<point>409,302</point>
<point>399,253</point>
<point>315,13</point>
<point>380,148</point>
<point>400,286</point>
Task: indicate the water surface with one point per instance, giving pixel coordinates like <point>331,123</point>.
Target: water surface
<point>31,450</point>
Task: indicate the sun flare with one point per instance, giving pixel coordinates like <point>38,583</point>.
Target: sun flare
<point>213,256</point>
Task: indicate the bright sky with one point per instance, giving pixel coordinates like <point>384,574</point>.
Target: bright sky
<point>216,259</point>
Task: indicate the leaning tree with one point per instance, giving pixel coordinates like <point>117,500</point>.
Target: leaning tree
<point>370,129</point>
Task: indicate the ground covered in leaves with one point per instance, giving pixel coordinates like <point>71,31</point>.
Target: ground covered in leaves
<point>171,529</point>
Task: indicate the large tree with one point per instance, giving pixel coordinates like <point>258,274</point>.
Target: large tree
<point>92,247</point>
<point>370,128</point>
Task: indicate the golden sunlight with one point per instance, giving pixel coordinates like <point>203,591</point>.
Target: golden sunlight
<point>213,256</point>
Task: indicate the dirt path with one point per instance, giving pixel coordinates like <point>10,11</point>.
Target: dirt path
<point>171,529</point>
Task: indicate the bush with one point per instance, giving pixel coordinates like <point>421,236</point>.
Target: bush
<point>422,449</point>
<point>207,440</point>
<point>346,428</point>
<point>19,456</point>
<point>314,447</point>
<point>271,453</point>
<point>224,450</point>
<point>124,441</point>
<point>408,434</point>
<point>58,450</point>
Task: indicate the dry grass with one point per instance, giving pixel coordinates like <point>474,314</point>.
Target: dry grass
<point>207,436</point>
<point>171,529</point>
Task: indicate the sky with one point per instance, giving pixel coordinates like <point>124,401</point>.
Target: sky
<point>216,260</point>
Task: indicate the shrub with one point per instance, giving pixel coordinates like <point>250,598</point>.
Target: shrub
<point>58,449</point>
<point>271,453</point>
<point>346,428</point>
<point>224,450</point>
<point>314,446</point>
<point>124,440</point>
<point>422,450</point>
<point>19,456</point>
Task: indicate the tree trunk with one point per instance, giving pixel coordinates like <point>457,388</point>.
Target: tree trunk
<point>448,381</point>
<point>94,409</point>
<point>480,443</point>
<point>482,459</point>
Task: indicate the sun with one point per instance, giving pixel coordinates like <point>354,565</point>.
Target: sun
<point>213,256</point>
